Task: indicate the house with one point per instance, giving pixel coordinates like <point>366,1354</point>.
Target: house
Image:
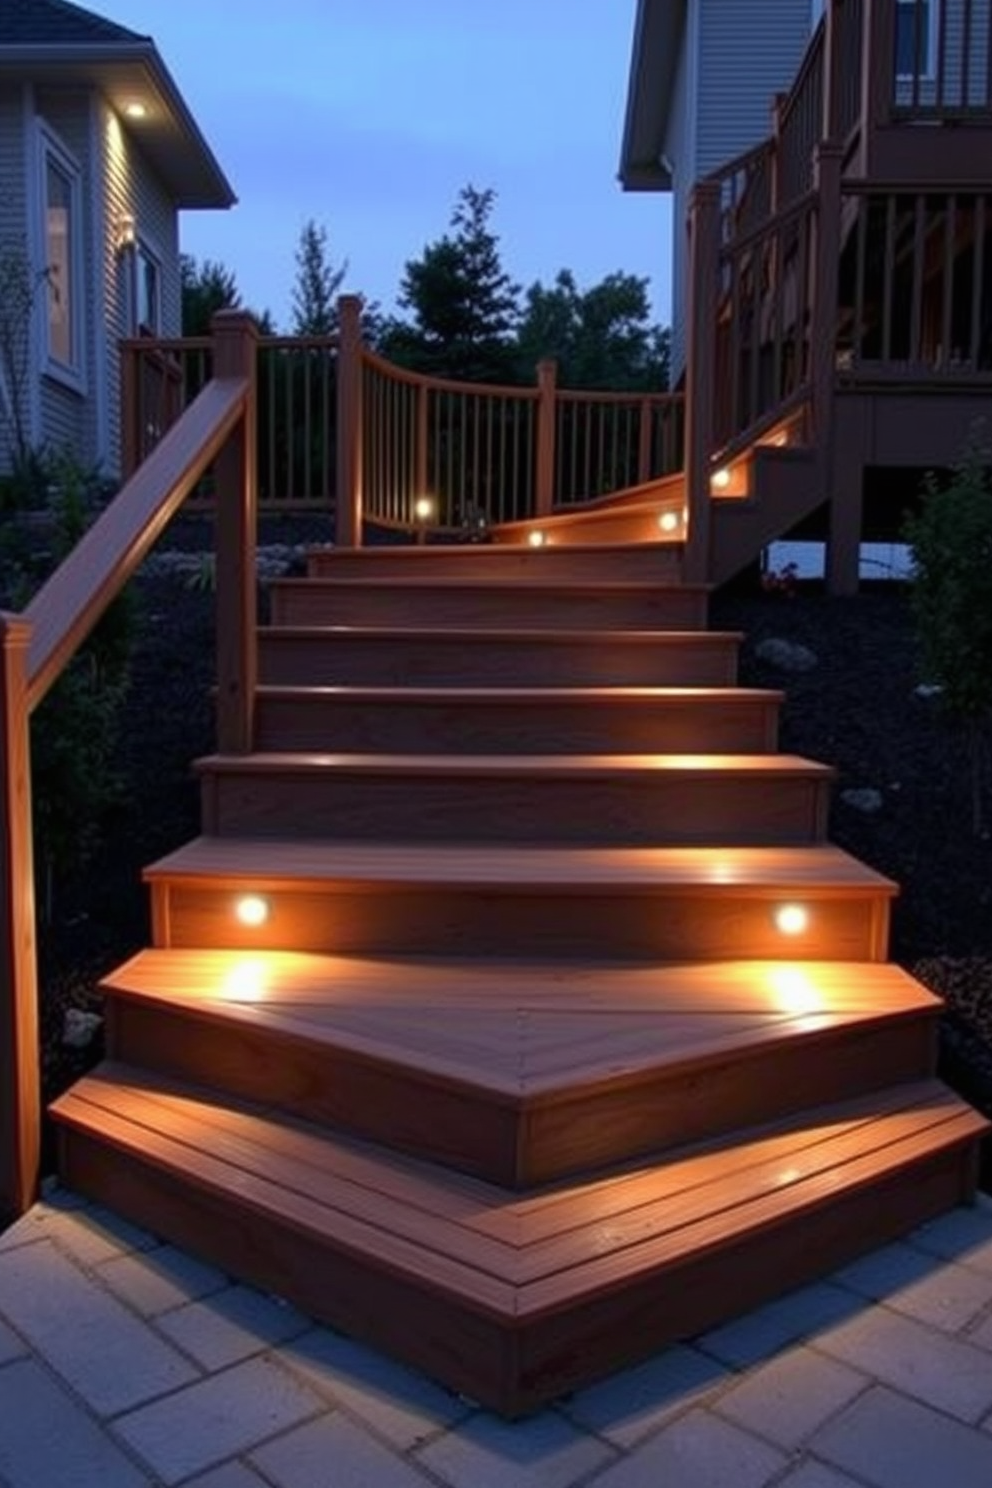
<point>702,80</point>
<point>99,153</point>
<point>832,264</point>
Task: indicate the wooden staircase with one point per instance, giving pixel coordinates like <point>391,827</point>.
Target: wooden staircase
<point>512,1012</point>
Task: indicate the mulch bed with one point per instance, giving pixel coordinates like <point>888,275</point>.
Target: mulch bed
<point>857,709</point>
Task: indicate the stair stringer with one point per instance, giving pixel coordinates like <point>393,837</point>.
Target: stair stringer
<point>785,486</point>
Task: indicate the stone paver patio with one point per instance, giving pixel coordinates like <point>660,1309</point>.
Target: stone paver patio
<point>124,1362</point>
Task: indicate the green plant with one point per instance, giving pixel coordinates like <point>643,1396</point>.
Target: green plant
<point>74,731</point>
<point>950,539</point>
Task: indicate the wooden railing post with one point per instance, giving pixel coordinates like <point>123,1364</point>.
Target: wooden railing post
<point>20,1083</point>
<point>701,371</point>
<point>130,403</point>
<point>547,414</point>
<point>832,23</point>
<point>235,337</point>
<point>348,484</point>
<point>878,72</point>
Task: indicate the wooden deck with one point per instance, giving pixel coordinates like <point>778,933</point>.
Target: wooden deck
<point>511,1010</point>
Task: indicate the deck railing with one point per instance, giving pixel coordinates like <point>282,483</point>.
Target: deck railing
<point>942,59</point>
<point>799,124</point>
<point>218,429</point>
<point>297,391</point>
<point>916,283</point>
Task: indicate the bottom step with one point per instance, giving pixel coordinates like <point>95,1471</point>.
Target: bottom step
<point>514,1299</point>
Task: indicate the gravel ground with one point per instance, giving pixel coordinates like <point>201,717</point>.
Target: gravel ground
<point>856,709</point>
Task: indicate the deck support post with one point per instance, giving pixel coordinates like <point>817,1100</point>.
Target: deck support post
<point>236,355</point>
<point>20,1080</point>
<point>701,371</point>
<point>348,483</point>
<point>544,475</point>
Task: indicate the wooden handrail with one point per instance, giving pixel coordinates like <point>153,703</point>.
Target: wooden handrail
<point>445,384</point>
<point>70,603</point>
<point>811,57</point>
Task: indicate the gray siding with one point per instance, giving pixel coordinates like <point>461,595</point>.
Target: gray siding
<point>129,185</point>
<point>678,148</point>
<point>747,53</point>
<point>966,78</point>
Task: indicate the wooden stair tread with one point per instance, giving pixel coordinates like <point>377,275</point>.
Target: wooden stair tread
<point>475,552</point>
<point>545,583</point>
<point>523,1030</point>
<point>529,766</point>
<point>679,639</point>
<point>537,696</point>
<point>509,1256</point>
<point>820,869</point>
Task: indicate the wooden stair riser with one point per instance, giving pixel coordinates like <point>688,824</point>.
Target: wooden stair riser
<point>400,604</point>
<point>549,722</point>
<point>518,1143</point>
<point>642,806</point>
<point>514,1366</point>
<point>525,659</point>
<point>393,918</point>
<point>635,524</point>
<point>660,563</point>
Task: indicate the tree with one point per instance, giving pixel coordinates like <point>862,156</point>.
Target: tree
<point>207,288</point>
<point>463,306</point>
<point>601,337</point>
<point>951,543</point>
<point>317,286</point>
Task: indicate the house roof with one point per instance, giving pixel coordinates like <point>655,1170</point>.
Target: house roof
<point>56,21</point>
<point>53,43</point>
<point>653,68</point>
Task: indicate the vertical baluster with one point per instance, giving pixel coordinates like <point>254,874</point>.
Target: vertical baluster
<point>916,302</point>
<point>947,305</point>
<point>888,276</point>
<point>977,284</point>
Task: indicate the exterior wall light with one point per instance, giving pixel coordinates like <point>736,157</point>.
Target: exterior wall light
<point>127,231</point>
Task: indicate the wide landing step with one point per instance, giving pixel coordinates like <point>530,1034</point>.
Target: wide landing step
<point>521,1071</point>
<point>513,1298</point>
<point>658,561</point>
<point>493,899</point>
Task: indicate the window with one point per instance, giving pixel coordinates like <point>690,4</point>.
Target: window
<point>916,27</point>
<point>147,291</point>
<point>61,226</point>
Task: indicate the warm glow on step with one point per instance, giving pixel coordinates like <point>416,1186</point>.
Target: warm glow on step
<point>669,521</point>
<point>252,910</point>
<point>246,981</point>
<point>792,919</point>
<point>720,479</point>
<point>795,990</point>
<point>536,539</point>
<point>423,508</point>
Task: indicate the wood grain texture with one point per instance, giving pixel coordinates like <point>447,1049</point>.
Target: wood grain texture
<point>519,1311</point>
<point>657,561</point>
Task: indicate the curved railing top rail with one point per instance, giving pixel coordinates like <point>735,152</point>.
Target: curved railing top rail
<point>634,395</point>
<point>444,384</point>
<point>70,603</point>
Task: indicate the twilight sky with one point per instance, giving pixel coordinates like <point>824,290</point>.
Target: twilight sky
<point>370,115</point>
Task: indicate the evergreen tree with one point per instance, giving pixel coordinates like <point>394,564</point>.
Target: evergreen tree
<point>206,288</point>
<point>462,304</point>
<point>601,337</point>
<point>318,284</point>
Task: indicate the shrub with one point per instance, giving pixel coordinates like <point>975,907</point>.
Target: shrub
<point>951,543</point>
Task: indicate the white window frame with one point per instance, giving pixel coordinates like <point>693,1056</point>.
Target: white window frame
<point>929,72</point>
<point>52,152</point>
<point>143,250</point>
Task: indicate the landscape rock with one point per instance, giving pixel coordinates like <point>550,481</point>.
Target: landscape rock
<point>789,656</point>
<point>80,1028</point>
<point>927,690</point>
<point>863,798</point>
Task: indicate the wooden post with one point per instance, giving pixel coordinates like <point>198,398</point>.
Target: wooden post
<point>701,369</point>
<point>776,162</point>
<point>878,74</point>
<point>420,453</point>
<point>20,1081</point>
<point>544,475</point>
<point>130,400</point>
<point>830,112</point>
<point>348,485</point>
<point>236,355</point>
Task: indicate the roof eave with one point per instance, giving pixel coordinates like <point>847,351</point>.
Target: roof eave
<point>653,67</point>
<point>196,181</point>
